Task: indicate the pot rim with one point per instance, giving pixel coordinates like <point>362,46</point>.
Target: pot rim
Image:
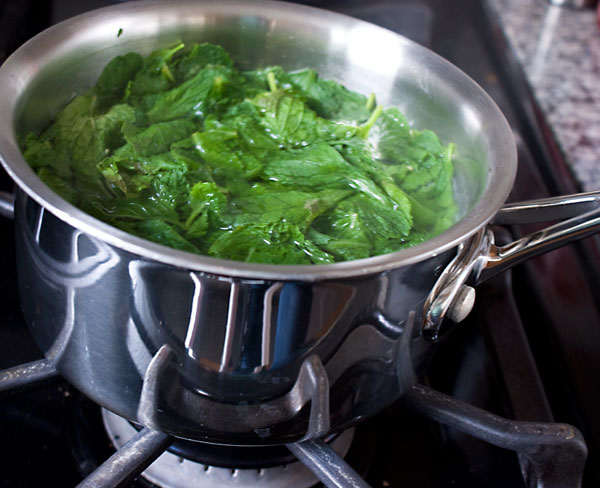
<point>20,65</point>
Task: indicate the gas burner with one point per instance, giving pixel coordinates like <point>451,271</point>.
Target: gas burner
<point>170,470</point>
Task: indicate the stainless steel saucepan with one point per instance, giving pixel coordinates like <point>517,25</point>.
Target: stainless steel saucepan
<point>241,353</point>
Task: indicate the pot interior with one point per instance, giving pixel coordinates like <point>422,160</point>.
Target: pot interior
<point>68,58</point>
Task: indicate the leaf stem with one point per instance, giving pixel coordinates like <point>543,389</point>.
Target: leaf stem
<point>169,54</point>
<point>272,81</point>
<point>167,73</point>
<point>164,69</point>
<point>192,217</point>
<point>218,85</point>
<point>364,129</point>
<point>450,151</point>
<point>370,102</point>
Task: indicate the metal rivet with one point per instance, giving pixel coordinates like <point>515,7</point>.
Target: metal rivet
<point>462,304</point>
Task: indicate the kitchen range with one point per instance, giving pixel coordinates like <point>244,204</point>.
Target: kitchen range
<point>509,398</point>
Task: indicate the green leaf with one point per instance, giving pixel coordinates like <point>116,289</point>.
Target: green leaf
<point>110,87</point>
<point>144,154</point>
<point>380,218</point>
<point>266,204</point>
<point>155,75</point>
<point>39,152</point>
<point>207,203</point>
<point>278,243</point>
<point>78,140</point>
<point>192,98</point>
<point>132,175</point>
<point>60,185</point>
<point>257,81</point>
<point>312,167</point>
<point>220,148</point>
<point>109,127</point>
<point>330,99</point>
<point>199,57</point>
<point>74,134</point>
<point>159,231</point>
<point>131,209</point>
<point>346,243</point>
<point>156,139</point>
<point>422,167</point>
<point>286,118</point>
<point>171,188</point>
<point>320,166</point>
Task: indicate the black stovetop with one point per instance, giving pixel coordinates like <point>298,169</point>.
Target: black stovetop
<point>528,351</point>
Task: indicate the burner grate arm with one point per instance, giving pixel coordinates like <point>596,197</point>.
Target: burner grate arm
<point>326,464</point>
<point>129,461</point>
<point>26,376</point>
<point>555,453</point>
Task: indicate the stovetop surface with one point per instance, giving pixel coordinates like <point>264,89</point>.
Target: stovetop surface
<point>42,429</point>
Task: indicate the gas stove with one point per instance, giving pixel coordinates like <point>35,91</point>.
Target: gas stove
<point>527,352</point>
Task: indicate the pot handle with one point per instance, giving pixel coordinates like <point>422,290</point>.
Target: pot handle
<point>480,258</point>
<point>7,204</point>
<point>582,211</point>
<point>545,209</point>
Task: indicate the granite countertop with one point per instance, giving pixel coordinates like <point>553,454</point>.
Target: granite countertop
<point>559,50</point>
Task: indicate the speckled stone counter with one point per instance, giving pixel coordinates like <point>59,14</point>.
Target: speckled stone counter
<point>559,50</point>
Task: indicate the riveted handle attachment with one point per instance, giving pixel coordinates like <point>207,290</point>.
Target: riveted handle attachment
<point>479,258</point>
